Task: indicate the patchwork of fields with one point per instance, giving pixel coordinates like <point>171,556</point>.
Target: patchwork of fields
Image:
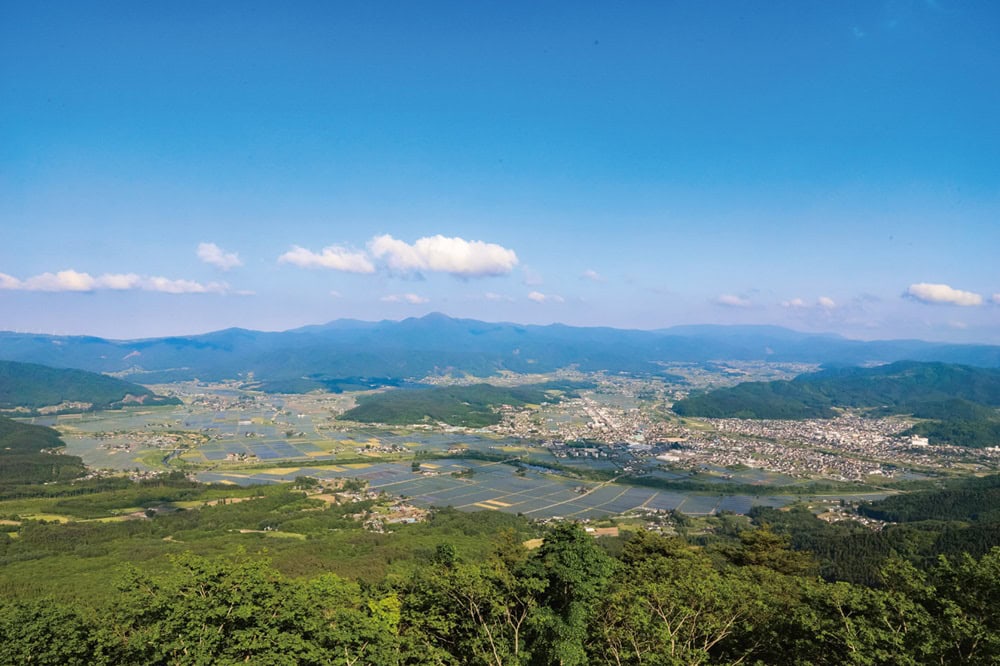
<point>499,487</point>
<point>231,445</point>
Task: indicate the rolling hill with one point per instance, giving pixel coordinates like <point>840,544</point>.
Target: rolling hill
<point>959,401</point>
<point>470,406</point>
<point>29,387</point>
<point>27,456</point>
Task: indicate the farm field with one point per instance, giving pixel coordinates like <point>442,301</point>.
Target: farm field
<point>273,439</point>
<point>499,487</point>
<point>141,439</point>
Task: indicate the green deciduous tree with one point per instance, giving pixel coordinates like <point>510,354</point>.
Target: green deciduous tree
<point>575,573</point>
<point>44,632</point>
<point>476,613</point>
<point>676,608</point>
<point>237,611</point>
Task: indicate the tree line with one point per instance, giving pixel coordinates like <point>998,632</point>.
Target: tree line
<point>659,601</point>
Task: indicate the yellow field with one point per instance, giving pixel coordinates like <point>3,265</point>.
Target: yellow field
<point>276,534</point>
<point>483,505</point>
<point>47,516</point>
<point>190,504</point>
<point>329,499</point>
<point>496,503</point>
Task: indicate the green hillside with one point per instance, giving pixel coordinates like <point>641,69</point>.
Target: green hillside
<point>31,386</point>
<point>470,406</point>
<point>959,400</point>
<point>25,456</point>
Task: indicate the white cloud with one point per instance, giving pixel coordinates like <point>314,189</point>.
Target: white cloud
<point>823,302</point>
<point>168,286</point>
<point>412,299</point>
<point>75,281</point>
<point>440,254</point>
<point>68,280</point>
<point>733,301</point>
<point>530,277</point>
<point>336,294</point>
<point>942,294</point>
<point>212,254</point>
<point>119,281</point>
<point>333,257</point>
<point>491,296</point>
<point>591,274</point>
<point>9,282</point>
<point>995,298</point>
<point>539,297</point>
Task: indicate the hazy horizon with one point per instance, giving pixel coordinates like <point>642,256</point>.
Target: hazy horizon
<point>179,169</point>
<point>195,333</point>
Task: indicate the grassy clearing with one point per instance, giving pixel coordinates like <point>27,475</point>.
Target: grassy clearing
<point>276,534</point>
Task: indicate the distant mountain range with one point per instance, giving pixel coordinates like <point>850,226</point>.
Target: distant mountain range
<point>417,347</point>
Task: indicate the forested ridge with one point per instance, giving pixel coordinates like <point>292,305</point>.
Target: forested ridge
<point>28,456</point>
<point>471,406</point>
<point>960,402</point>
<point>32,386</point>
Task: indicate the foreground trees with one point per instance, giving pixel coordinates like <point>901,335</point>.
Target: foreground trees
<point>662,601</point>
<point>220,612</point>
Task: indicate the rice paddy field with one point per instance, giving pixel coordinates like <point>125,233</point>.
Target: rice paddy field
<point>500,487</point>
<point>272,443</point>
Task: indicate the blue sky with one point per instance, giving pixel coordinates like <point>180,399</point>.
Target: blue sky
<point>171,168</point>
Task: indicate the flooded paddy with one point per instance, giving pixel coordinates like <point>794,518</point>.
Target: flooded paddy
<point>503,487</point>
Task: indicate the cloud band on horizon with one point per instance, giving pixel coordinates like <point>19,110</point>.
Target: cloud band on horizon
<point>75,281</point>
